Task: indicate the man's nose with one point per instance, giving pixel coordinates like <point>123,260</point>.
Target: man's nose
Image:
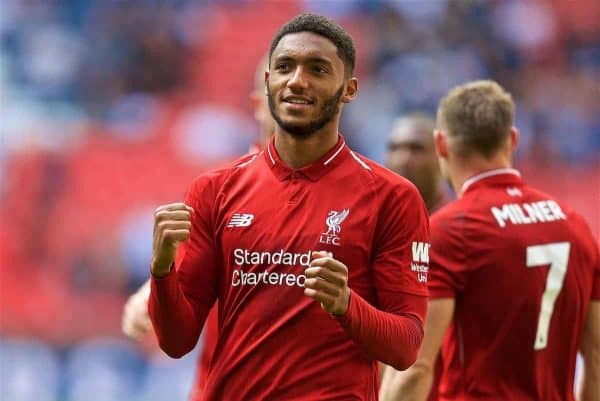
<point>298,80</point>
<point>401,159</point>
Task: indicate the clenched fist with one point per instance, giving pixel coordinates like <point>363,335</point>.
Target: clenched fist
<point>327,283</point>
<point>172,224</point>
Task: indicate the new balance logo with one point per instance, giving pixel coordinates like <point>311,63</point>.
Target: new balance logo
<point>240,220</point>
<point>420,252</point>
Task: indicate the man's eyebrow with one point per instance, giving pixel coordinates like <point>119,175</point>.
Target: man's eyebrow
<point>319,60</point>
<point>310,59</point>
<point>406,143</point>
<point>283,58</point>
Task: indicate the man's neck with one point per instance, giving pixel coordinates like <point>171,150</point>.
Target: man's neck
<point>465,170</point>
<point>434,197</point>
<point>300,152</point>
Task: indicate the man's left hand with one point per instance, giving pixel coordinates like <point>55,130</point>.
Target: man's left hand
<point>327,283</point>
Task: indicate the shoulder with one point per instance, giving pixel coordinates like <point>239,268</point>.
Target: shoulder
<point>211,181</point>
<point>387,184</point>
<point>451,211</point>
<point>581,230</point>
<point>574,218</point>
<point>448,222</point>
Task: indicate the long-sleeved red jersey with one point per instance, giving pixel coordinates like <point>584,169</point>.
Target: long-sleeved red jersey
<point>523,268</point>
<point>253,231</point>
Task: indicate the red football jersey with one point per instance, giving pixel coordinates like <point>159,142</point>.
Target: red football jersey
<point>254,228</point>
<point>439,365</point>
<point>523,268</point>
<point>210,332</point>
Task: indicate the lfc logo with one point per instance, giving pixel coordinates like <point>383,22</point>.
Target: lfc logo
<point>334,226</point>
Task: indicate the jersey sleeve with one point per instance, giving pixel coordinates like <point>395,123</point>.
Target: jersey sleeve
<point>180,301</point>
<point>401,243</point>
<point>392,332</point>
<point>448,268</point>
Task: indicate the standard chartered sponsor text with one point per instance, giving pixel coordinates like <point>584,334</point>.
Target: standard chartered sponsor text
<point>244,257</point>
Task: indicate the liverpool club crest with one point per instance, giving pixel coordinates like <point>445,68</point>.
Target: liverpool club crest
<point>334,226</point>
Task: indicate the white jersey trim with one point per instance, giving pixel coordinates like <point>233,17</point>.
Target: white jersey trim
<point>244,164</point>
<point>360,161</point>
<point>270,156</point>
<point>337,152</point>
<point>487,174</point>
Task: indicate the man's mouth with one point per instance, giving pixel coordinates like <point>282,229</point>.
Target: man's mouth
<point>298,100</point>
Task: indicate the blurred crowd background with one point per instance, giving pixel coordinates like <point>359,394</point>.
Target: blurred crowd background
<point>110,108</point>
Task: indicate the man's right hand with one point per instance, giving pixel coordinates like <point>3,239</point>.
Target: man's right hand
<point>172,224</point>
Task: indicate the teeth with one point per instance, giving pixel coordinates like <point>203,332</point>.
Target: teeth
<point>297,101</point>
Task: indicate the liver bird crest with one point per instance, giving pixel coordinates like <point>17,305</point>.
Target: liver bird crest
<point>334,221</point>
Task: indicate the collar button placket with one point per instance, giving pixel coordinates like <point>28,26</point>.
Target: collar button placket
<point>295,187</point>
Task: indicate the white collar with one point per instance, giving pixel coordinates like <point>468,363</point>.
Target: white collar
<point>486,174</point>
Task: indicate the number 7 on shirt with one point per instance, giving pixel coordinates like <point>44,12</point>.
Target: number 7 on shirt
<point>557,256</point>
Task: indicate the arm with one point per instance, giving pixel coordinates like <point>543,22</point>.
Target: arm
<point>392,338</point>
<point>135,322</point>
<point>414,384</point>
<point>391,332</point>
<point>590,350</point>
<point>181,297</point>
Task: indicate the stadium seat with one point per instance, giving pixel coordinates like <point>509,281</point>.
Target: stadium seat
<point>103,370</point>
<point>168,378</point>
<point>23,362</point>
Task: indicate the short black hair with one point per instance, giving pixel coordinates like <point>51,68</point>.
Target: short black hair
<point>322,26</point>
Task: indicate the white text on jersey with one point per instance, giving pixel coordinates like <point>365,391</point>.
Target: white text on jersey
<point>420,264</point>
<point>420,252</point>
<point>528,213</point>
<point>245,257</point>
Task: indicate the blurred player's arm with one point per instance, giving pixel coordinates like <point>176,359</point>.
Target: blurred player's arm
<point>135,321</point>
<point>392,331</point>
<point>184,270</point>
<point>590,351</point>
<point>414,384</point>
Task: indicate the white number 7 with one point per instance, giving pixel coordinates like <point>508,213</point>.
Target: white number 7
<point>557,256</point>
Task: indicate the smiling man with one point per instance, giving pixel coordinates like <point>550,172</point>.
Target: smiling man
<point>317,256</point>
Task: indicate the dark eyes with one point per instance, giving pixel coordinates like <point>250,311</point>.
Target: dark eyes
<point>283,68</point>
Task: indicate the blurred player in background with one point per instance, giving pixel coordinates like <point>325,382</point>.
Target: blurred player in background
<point>136,321</point>
<point>317,255</point>
<point>515,274</point>
<point>411,153</point>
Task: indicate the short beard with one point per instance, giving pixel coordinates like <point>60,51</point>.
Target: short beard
<point>330,109</point>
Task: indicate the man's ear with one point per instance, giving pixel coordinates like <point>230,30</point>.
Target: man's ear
<point>266,82</point>
<point>351,90</point>
<point>440,138</point>
<point>514,139</point>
